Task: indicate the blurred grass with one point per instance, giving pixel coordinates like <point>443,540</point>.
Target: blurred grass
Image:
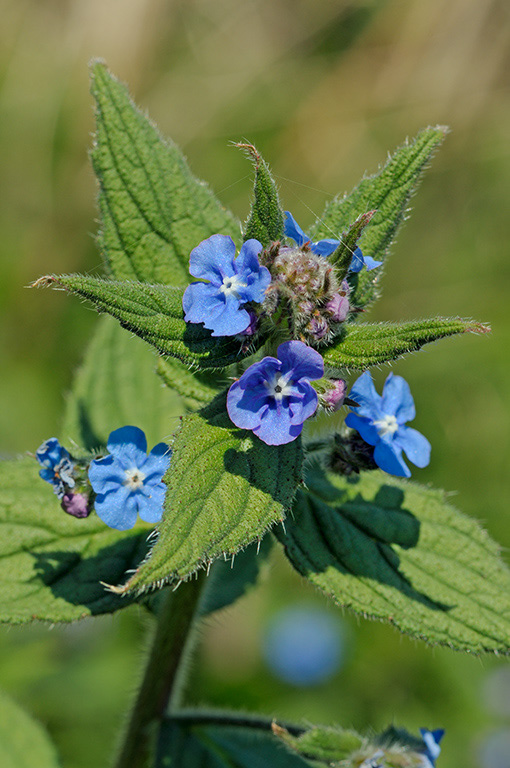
<point>325,90</point>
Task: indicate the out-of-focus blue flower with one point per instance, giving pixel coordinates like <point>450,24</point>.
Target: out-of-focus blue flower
<point>431,740</point>
<point>232,282</point>
<point>326,247</point>
<point>274,396</point>
<point>128,481</point>
<point>380,421</point>
<point>303,645</point>
<point>57,466</point>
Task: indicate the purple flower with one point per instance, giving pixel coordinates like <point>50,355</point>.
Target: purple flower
<point>431,740</point>
<point>380,421</point>
<point>57,466</point>
<point>274,396</point>
<point>128,481</point>
<point>326,247</point>
<point>231,283</point>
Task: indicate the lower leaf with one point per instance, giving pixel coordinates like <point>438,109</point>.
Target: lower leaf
<point>23,742</point>
<point>399,552</point>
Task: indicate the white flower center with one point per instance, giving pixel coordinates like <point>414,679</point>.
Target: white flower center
<point>134,479</point>
<point>232,285</point>
<point>386,426</point>
<point>279,386</point>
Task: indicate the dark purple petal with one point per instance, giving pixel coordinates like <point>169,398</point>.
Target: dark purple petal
<point>364,426</point>
<point>415,445</point>
<point>213,259</point>
<point>397,399</point>
<point>388,457</point>
<point>128,445</point>
<point>302,360</point>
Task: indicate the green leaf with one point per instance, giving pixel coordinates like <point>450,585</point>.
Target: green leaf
<point>116,385</point>
<point>389,192</point>
<point>395,551</point>
<point>194,389</point>
<point>322,743</point>
<point>225,488</point>
<point>153,312</point>
<point>182,745</point>
<point>228,581</point>
<point>153,210</point>
<point>51,564</point>
<point>265,222</point>
<point>368,344</point>
<point>342,257</point>
<point>23,742</point>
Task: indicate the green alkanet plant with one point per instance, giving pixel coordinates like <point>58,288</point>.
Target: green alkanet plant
<point>282,320</point>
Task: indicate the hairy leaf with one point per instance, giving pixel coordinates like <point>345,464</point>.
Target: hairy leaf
<point>265,222</point>
<point>195,389</point>
<point>153,312</point>
<point>228,581</point>
<point>51,564</point>
<point>115,386</point>
<point>153,210</point>
<point>395,551</point>
<point>342,257</point>
<point>389,192</point>
<point>368,344</point>
<point>23,741</point>
<point>225,488</point>
<point>219,745</point>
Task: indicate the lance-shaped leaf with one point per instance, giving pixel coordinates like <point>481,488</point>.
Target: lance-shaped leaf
<point>153,210</point>
<point>153,312</point>
<point>225,488</point>
<point>342,257</point>
<point>395,551</point>
<point>364,345</point>
<point>51,564</point>
<point>23,741</point>
<point>389,192</point>
<point>116,385</point>
<point>221,742</point>
<point>265,222</point>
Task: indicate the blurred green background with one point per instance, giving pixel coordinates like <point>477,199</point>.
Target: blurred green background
<point>325,90</point>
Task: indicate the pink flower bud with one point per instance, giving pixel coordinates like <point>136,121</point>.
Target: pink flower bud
<point>338,307</point>
<point>334,397</point>
<point>76,504</point>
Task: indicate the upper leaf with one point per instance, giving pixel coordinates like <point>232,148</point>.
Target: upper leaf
<point>265,222</point>
<point>23,742</point>
<point>51,564</point>
<point>116,385</point>
<point>225,488</point>
<point>396,551</point>
<point>367,344</point>
<point>153,210</point>
<point>154,312</point>
<point>389,192</point>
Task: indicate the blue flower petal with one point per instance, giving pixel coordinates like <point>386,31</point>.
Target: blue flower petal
<point>150,507</point>
<point>293,230</point>
<point>364,426</point>
<point>256,287</point>
<point>365,394</point>
<point>106,474</point>
<point>302,360</point>
<point>325,247</point>
<point>158,460</point>
<point>50,453</point>
<point>244,406</point>
<point>371,263</point>
<point>302,409</point>
<point>231,320</point>
<point>357,261</point>
<point>247,261</point>
<point>397,399</point>
<point>276,427</point>
<point>415,446</point>
<point>118,509</point>
<point>128,445</point>
<point>389,458</point>
<point>202,302</point>
<point>213,259</point>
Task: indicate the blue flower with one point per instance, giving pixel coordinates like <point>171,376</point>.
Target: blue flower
<point>274,396</point>
<point>380,422</point>
<point>326,247</point>
<point>57,466</point>
<point>231,283</point>
<point>431,740</point>
<point>128,481</point>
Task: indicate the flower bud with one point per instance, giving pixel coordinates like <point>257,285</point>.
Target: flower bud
<point>76,504</point>
<point>338,306</point>
<point>332,399</point>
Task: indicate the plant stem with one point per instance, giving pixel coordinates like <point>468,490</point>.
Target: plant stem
<point>164,675</point>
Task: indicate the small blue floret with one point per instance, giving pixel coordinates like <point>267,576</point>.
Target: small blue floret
<point>431,741</point>
<point>231,283</point>
<point>128,481</point>
<point>380,420</point>
<point>274,397</point>
<point>326,247</point>
<point>57,466</point>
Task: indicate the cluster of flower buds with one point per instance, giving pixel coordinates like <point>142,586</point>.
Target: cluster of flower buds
<point>66,475</point>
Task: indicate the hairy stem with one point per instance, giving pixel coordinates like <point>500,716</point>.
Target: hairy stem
<point>164,675</point>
